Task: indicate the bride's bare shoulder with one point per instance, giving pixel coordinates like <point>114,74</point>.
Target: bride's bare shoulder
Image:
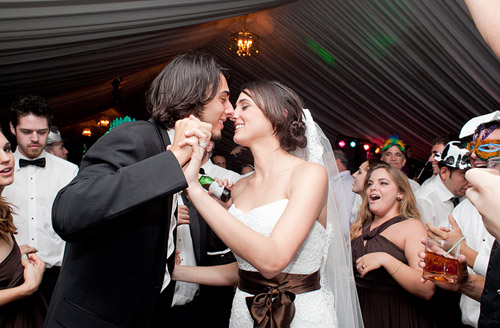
<point>311,169</point>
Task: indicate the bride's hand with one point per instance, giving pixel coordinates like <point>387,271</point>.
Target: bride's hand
<point>227,185</point>
<point>190,127</point>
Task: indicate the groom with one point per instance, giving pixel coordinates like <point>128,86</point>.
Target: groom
<point>117,215</point>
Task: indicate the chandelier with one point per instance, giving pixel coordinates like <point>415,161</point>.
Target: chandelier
<point>244,43</point>
<point>86,132</point>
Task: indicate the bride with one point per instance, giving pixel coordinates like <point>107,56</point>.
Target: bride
<point>293,263</point>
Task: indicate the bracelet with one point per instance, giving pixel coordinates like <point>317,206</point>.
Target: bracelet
<point>399,266</point>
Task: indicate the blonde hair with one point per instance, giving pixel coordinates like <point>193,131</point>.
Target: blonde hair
<point>407,205</point>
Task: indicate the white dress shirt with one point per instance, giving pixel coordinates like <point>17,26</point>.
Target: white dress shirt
<point>415,186</point>
<point>479,239</point>
<point>434,204</point>
<point>221,173</point>
<point>170,243</point>
<point>185,292</point>
<point>344,196</point>
<point>355,207</point>
<point>32,194</point>
<point>428,180</point>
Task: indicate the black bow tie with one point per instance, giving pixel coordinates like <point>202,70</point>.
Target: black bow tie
<point>455,201</point>
<point>38,162</point>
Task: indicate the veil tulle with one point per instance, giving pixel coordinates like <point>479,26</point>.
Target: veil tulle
<point>337,272</point>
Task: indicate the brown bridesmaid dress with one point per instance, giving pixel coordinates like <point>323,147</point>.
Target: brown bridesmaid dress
<point>28,312</point>
<point>384,303</point>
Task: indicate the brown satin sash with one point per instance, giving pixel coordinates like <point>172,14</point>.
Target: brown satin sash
<point>272,304</point>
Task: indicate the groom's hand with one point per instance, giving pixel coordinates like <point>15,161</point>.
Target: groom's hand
<point>188,129</point>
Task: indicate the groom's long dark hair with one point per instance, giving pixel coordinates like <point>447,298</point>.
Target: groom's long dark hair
<point>184,87</point>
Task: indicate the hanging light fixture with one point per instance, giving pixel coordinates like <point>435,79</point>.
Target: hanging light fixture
<point>244,43</point>
<point>104,122</point>
<point>86,132</point>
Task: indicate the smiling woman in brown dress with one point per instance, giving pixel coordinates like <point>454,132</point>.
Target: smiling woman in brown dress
<point>385,245</point>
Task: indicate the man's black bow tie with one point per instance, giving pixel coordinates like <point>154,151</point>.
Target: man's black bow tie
<point>38,162</point>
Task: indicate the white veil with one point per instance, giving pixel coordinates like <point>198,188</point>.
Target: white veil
<point>337,271</point>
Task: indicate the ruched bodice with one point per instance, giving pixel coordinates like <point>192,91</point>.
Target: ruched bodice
<point>313,309</point>
<point>384,303</point>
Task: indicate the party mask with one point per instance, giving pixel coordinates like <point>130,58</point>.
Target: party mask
<point>484,149</point>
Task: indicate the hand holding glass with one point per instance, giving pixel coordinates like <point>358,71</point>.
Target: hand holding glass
<point>494,163</point>
<point>441,260</point>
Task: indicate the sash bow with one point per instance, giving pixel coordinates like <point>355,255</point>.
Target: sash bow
<point>272,305</point>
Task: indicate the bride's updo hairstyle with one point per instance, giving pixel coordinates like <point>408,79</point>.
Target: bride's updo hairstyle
<point>283,107</point>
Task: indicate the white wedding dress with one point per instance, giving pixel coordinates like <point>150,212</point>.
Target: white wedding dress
<point>312,309</point>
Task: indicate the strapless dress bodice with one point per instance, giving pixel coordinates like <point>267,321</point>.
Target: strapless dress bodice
<point>312,309</point>
<point>263,219</point>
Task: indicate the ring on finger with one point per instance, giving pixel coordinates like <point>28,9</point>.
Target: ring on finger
<point>362,267</point>
<point>203,144</point>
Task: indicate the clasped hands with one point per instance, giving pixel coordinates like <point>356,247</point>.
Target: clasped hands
<point>190,132</point>
<point>190,139</point>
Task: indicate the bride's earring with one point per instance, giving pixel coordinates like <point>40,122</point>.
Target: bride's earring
<point>399,198</point>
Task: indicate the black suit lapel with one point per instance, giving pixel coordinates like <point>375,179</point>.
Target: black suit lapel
<point>162,134</point>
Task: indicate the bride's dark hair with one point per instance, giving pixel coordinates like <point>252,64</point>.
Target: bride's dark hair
<point>283,107</point>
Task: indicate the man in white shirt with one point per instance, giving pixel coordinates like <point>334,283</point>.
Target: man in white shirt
<point>393,153</point>
<point>55,144</point>
<point>342,188</point>
<point>193,305</point>
<point>437,199</point>
<point>219,160</point>
<point>466,219</point>
<point>37,179</point>
<point>437,147</point>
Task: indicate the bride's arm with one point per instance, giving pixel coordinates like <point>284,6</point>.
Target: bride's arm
<point>269,255</point>
<point>218,275</point>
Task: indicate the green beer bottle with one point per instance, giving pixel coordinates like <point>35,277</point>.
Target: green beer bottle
<point>210,184</point>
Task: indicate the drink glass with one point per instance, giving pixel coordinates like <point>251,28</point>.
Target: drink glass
<point>440,264</point>
<point>494,163</point>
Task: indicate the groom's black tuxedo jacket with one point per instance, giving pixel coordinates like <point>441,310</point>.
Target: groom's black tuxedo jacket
<point>115,217</point>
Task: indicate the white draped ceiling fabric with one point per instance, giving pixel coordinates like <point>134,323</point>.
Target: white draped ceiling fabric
<point>365,68</point>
